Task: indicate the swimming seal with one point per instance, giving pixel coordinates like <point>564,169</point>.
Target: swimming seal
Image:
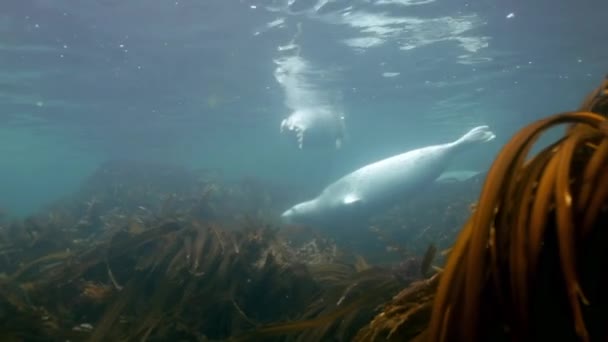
<point>370,189</point>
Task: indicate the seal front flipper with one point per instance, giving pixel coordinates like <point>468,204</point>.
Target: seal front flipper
<point>352,207</point>
<point>300,135</point>
<point>341,133</point>
<point>352,200</point>
<point>289,124</point>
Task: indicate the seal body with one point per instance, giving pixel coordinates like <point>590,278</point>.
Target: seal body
<point>315,127</point>
<point>368,190</point>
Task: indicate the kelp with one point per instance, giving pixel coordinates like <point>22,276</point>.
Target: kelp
<point>133,257</point>
<point>198,281</point>
<point>530,263</point>
<point>136,258</point>
<point>350,296</point>
<point>405,317</point>
<point>108,272</point>
<point>164,281</point>
<point>347,301</point>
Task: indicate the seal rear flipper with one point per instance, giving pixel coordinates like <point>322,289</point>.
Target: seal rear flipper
<point>479,134</point>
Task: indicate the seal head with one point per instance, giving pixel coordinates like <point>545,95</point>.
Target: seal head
<point>301,213</point>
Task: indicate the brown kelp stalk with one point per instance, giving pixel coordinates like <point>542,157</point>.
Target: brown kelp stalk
<point>523,249</point>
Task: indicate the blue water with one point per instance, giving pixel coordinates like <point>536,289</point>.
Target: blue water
<point>191,82</point>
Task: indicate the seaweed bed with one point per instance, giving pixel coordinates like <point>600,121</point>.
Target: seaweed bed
<point>154,252</point>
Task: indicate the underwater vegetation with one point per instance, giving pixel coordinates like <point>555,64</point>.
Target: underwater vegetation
<point>155,252</point>
<point>530,263</point>
<point>148,251</point>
